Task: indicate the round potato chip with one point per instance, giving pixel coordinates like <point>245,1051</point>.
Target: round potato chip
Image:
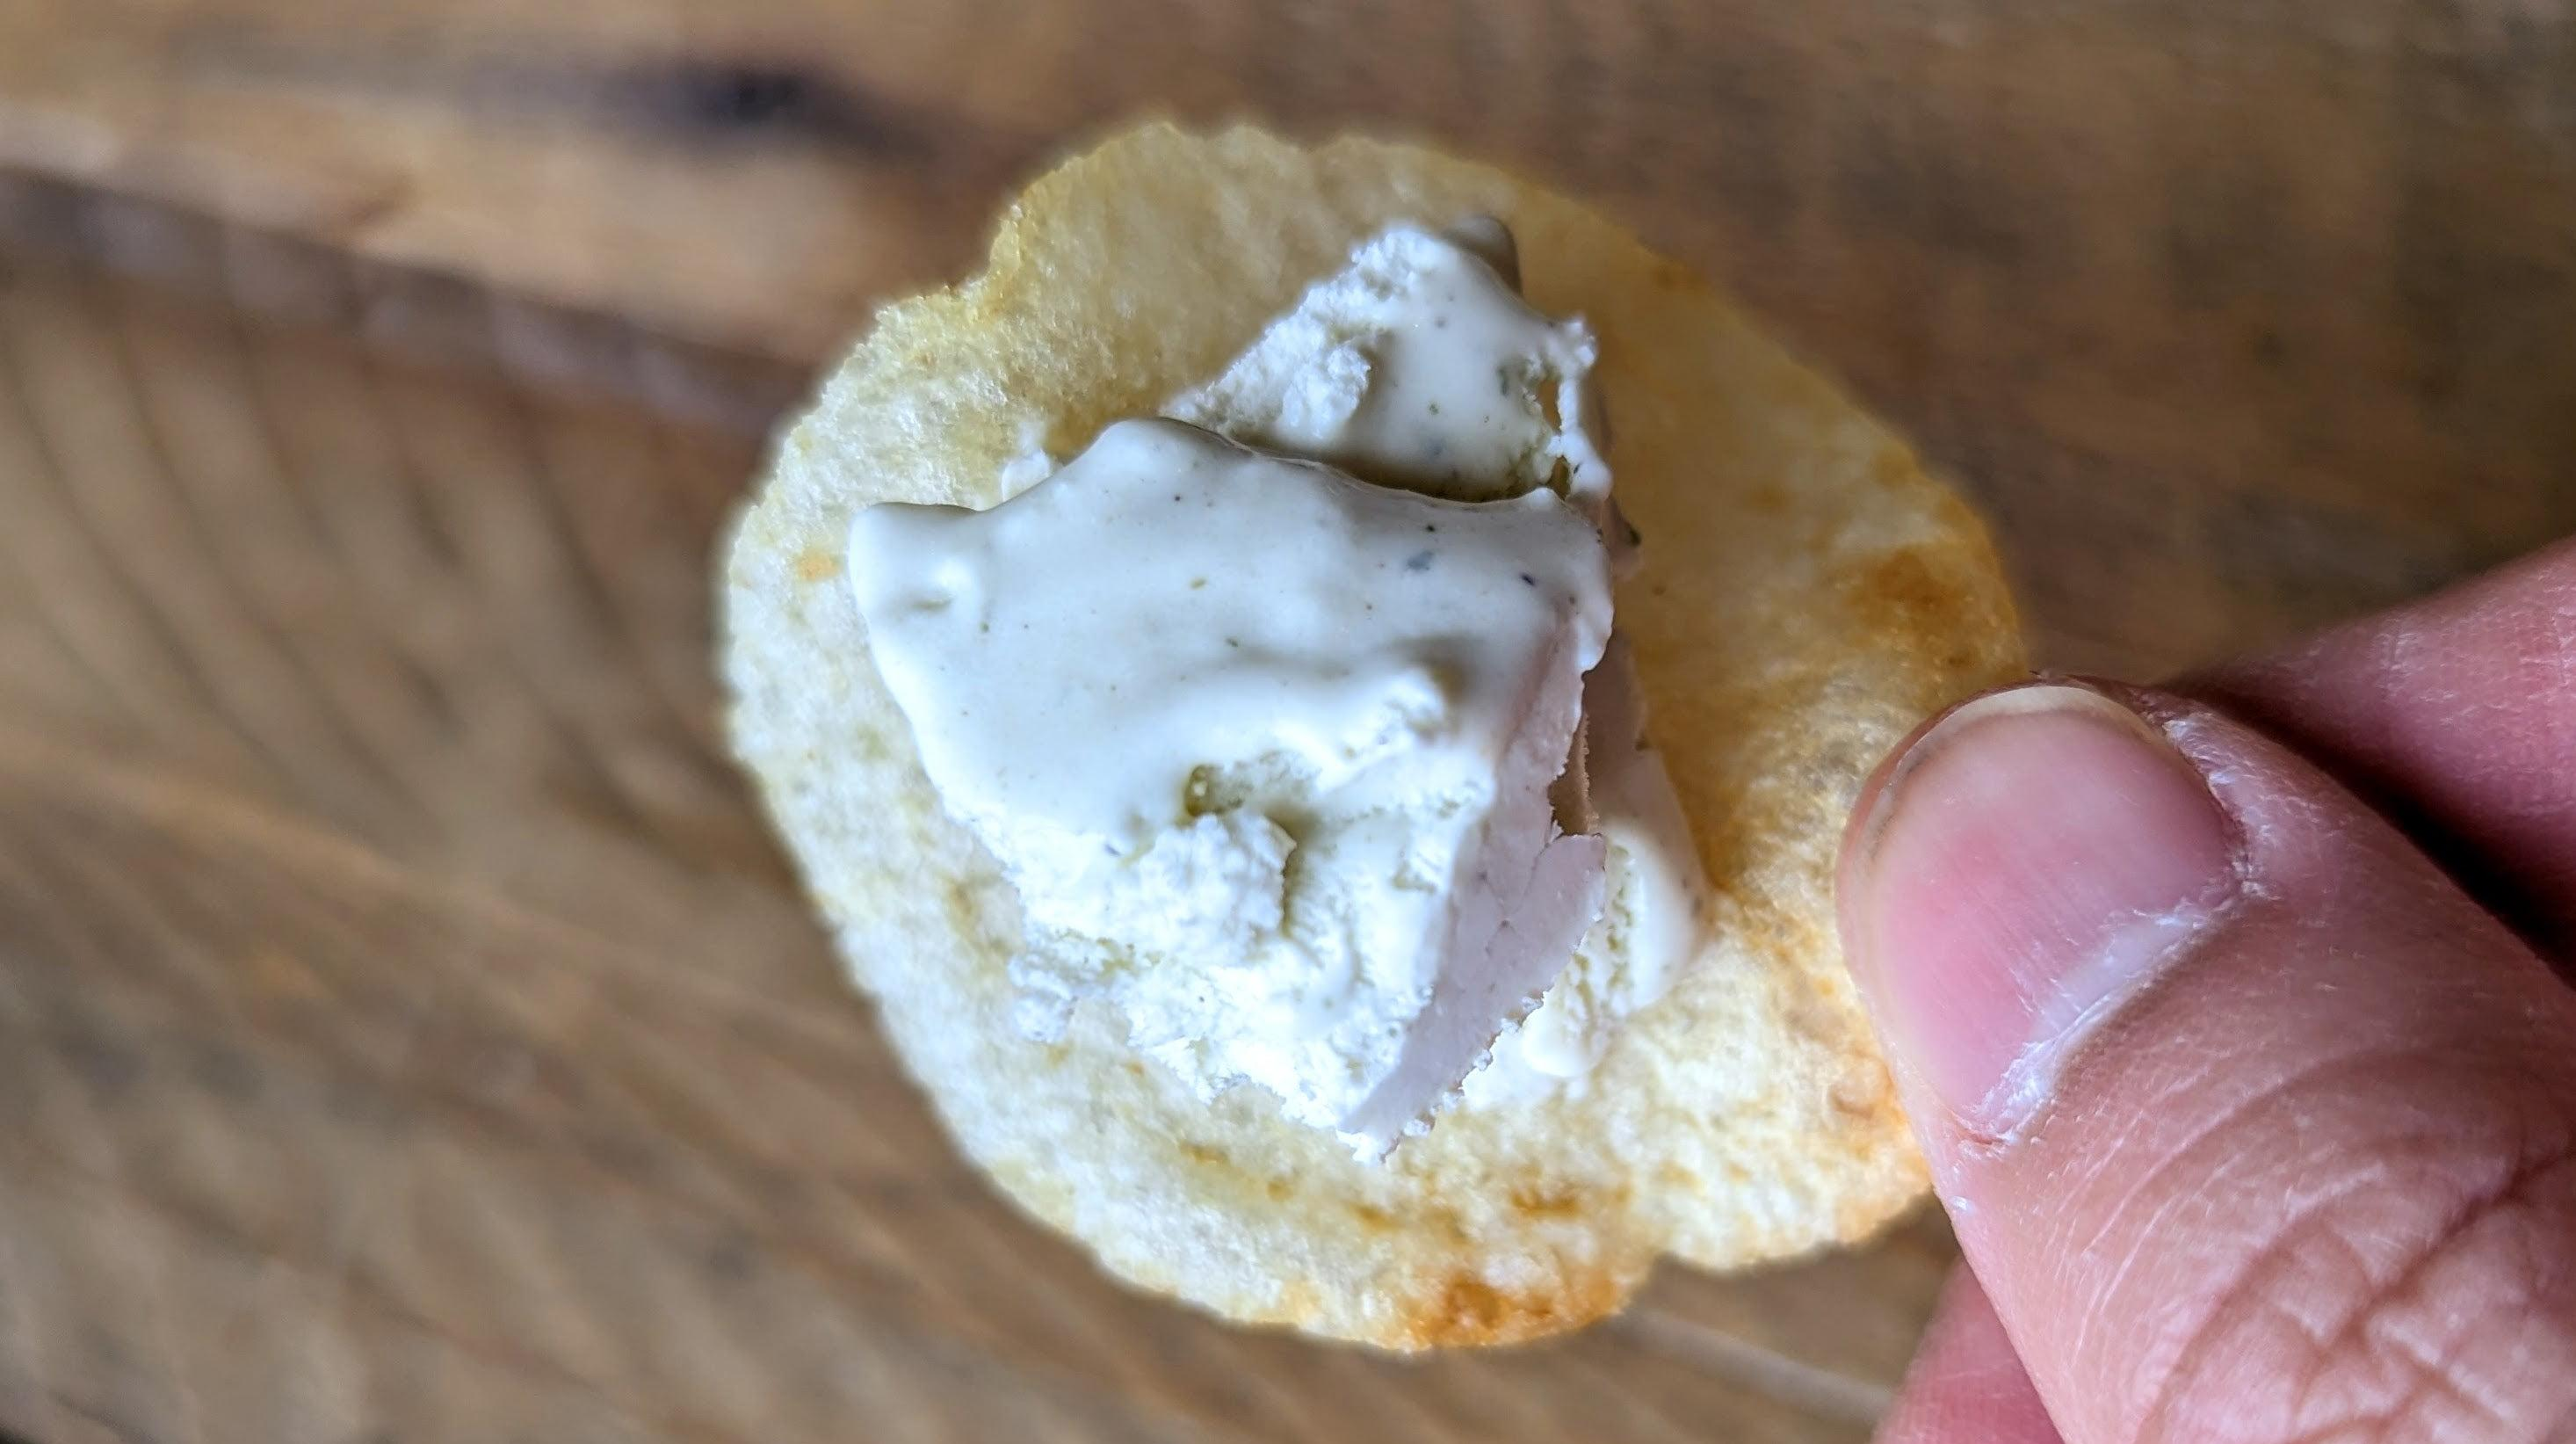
<point>1807,595</point>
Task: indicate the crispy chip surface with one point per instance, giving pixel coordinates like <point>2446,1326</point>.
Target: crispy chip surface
<point>1808,594</point>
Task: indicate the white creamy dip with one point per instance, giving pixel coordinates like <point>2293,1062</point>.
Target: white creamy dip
<point>1265,749</point>
<point>1320,781</point>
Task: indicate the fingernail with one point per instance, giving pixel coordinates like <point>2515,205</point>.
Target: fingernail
<point>2031,862</point>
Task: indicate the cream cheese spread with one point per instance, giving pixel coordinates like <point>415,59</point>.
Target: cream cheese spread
<point>1380,369</point>
<point>1303,753</point>
<point>1419,367</point>
<point>1266,751</point>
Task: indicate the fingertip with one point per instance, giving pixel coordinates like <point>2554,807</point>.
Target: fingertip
<point>2028,862</point>
<point>2272,1092</point>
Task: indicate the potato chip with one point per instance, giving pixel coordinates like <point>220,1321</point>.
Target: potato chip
<point>1807,595</point>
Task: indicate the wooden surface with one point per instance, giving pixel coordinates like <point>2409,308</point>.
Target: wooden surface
<point>407,1031</point>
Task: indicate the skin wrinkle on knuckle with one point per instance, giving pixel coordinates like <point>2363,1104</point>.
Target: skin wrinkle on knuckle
<point>2341,1179</point>
<point>2379,1353</point>
<point>2210,1152</point>
<point>2142,1180</point>
<point>2250,1299</point>
<point>2431,1382</point>
<point>2402,1329</point>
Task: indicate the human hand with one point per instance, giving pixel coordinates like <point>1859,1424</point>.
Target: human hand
<point>2254,1113</point>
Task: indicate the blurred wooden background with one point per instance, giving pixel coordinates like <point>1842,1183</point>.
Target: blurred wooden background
<point>406,1030</point>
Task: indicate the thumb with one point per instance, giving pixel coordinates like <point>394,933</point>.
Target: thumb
<point>2253,1127</point>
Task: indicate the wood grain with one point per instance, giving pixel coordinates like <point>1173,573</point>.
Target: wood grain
<point>407,1031</point>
